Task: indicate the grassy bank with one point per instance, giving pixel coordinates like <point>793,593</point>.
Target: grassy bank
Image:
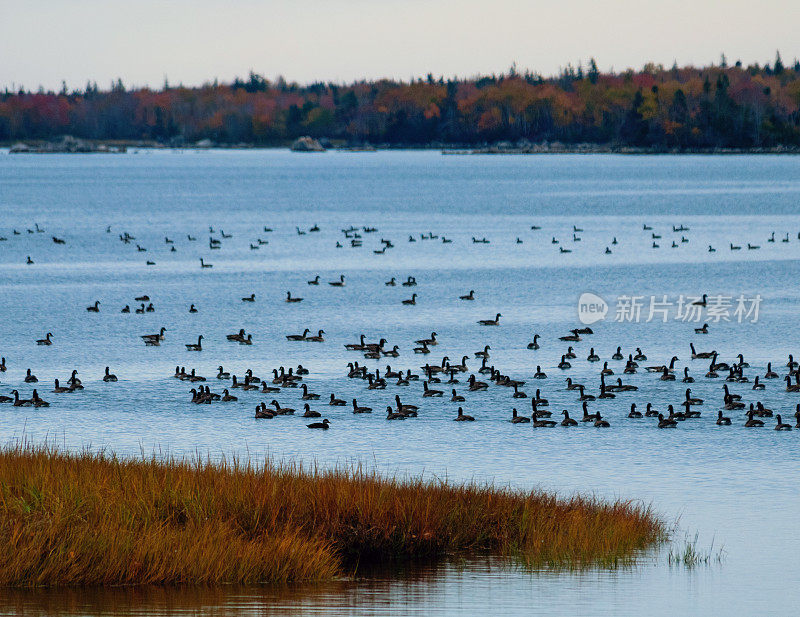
<point>93,519</point>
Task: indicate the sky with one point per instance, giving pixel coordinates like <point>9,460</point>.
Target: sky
<point>43,42</point>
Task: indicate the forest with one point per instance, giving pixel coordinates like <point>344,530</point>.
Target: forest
<point>718,106</point>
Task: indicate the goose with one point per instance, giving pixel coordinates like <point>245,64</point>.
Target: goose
<point>484,353</point>
<point>59,389</point>
<point>392,415</point>
<point>95,308</point>
<point>324,425</point>
<point>781,426</point>
<point>691,400</point>
<point>688,412</point>
<point>537,422</point>
<point>150,308</point>
<point>540,400</point>
<point>461,368</point>
<point>703,330</point>
<point>246,341</point>
<point>269,389</point>
<point>790,387</point>
<point>410,282</point>
<point>662,368</point>
<point>722,420</point>
<point>109,376</point>
<point>791,364</point>
<point>686,377</point>
<point>539,374</point>
<point>126,309</point>
<point>239,336</point>
<point>290,299</point>
<point>336,402</point>
<point>770,374</point>
<point>5,399</point>
<point>593,357</point>
<point>250,298</point>
<point>46,340</point>
<point>359,409</point>
<point>428,341</point>
<point>314,281</point>
<point>589,417</point>
<point>393,352</point>
<point>405,408</point>
<point>423,349</point>
<point>469,296</point>
<point>461,417</point>
<point>572,338</point>
<point>618,355</point>
<point>192,309</point>
<point>563,364</point>
<point>600,423</point>
<point>585,397</point>
<point>457,398</point>
<point>195,346</point>
<point>375,384</point>
<point>673,415</point>
<point>301,370</point>
<point>534,344</point>
<point>428,393</point>
<point>299,337</point>
<point>339,283</point>
<point>606,370</point>
<point>650,412</point>
<point>752,247</point>
<point>701,302</point>
<point>19,402</point>
<point>411,301</point>
<point>752,422</point>
<point>391,282</point>
<point>203,264</point>
<point>633,413</point>
<point>515,419</point>
<point>742,363</point>
<point>316,339</point>
<point>703,355</point>
<point>567,421</point>
<point>518,393</point>
<point>475,385</point>
<point>572,385</point>
<point>222,374</point>
<point>639,357</point>
<point>38,402</point>
<point>30,377</point>
<point>666,422</point>
<point>762,411</point>
<point>757,385</point>
<point>282,411</point>
<point>309,413</point>
<point>621,387</point>
<point>308,396</point>
<point>491,322</point>
<point>154,339</point>
<point>227,396</point>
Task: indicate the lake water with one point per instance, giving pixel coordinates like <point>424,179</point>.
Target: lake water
<point>734,487</point>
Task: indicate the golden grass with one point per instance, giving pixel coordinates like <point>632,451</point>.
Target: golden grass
<point>94,519</point>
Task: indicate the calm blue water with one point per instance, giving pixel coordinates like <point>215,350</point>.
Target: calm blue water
<point>735,487</point>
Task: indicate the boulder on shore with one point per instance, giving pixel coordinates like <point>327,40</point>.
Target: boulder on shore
<point>306,144</point>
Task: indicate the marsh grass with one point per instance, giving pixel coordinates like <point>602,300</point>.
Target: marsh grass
<point>91,518</point>
<point>690,555</point>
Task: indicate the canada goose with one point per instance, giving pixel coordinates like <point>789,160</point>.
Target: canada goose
<point>518,393</point>
<point>308,396</point>
<point>203,264</point>
<point>359,409</point>
<point>428,341</point>
<point>410,282</point>
<point>46,340</point>
<point>484,353</point>
<point>393,415</point>
<point>126,309</point>
<point>299,337</point>
<point>633,413</point>
<point>593,357</point>
<point>411,301</point>
<point>339,283</point>
<point>227,396</point>
<point>316,339</point>
<point>30,377</point>
<point>2,365</point>
<point>639,357</point>
<point>752,422</point>
<point>600,423</point>
<point>572,385</point>
<point>583,396</point>
<point>515,419</point>
<point>790,387</point>
<point>757,385</point>
<point>108,376</point>
<point>691,400</point>
<point>95,308</point>
<point>38,402</point>
<point>150,308</point>
<point>770,374</point>
<point>742,363</point>
<point>336,402</point>
<point>154,339</point>
<point>290,299</point>
<point>222,374</point>
<point>428,393</point>
<point>474,385</point>
<point>702,355</point>
<point>469,296</point>
<point>563,364</point>
<point>457,398</point>
<point>140,310</point>
<point>250,298</point>
<point>762,411</point>
<point>666,422</point>
<point>781,426</point>
<point>281,411</point>
<point>589,417</point>
<point>314,281</point>
<point>461,417</point>
<point>606,370</point>
<point>722,420</point>
<point>701,302</point>
<point>534,344</point>
<point>59,389</point>
<point>195,346</point>
<point>423,349</point>
<point>539,374</point>
<point>491,322</point>
<point>309,413</point>
<point>703,330</point>
<point>662,368</point>
<point>18,402</point>
<point>797,416</point>
<point>323,425</point>
<point>572,338</point>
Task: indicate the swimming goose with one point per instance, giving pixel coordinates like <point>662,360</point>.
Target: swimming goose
<point>692,400</point>
<point>752,422</point>
<point>46,340</point>
<point>686,378</point>
<point>571,385</point>
<point>688,412</point>
<point>457,398</point>
<point>38,402</point>
<point>2,365</point>
<point>461,368</point>
<point>618,355</point>
<point>762,411</point>
<point>239,336</point>
<point>150,308</point>
<point>475,385</point>
<point>325,424</point>
<point>742,363</point>
<point>140,310</point>
<point>703,330</point>
<point>593,357</point>
<point>782,426</point>
<point>491,322</point>
<point>298,337</point>
<point>108,376</point>
<point>250,298</point>
<point>154,339</point>
<point>573,338</point>
<point>282,411</point>
<point>411,301</point>
<point>484,353</point>
<point>126,309</point>
<point>790,387</point>
<point>639,357</point>
<point>515,419</point>
<point>192,309</point>
<point>392,415</point>
<point>314,281</point>
<point>469,296</point>
<point>770,374</point>
<point>428,341</point>
<point>606,370</point>
<point>534,344</point>
<point>757,385</point>
<point>600,423</point>
<point>391,282</point>
<point>203,264</point>
<point>227,396</point>
<point>702,302</point>
<point>269,389</point>
<point>428,393</point>
<point>195,346</point>
<point>359,409</point>
<point>662,368</point>
<point>589,417</point>
<point>461,417</point>
<point>19,402</point>
<point>95,308</point>
<point>563,364</point>
<point>633,413</point>
<point>309,413</point>
<point>222,374</point>
<point>290,299</point>
<point>703,355</point>
<point>583,396</point>
<point>336,402</point>
<point>339,283</point>
<point>567,421</point>
<point>539,374</point>
<point>308,396</point>
<point>518,393</point>
<point>59,389</point>
<point>405,408</point>
<point>410,282</point>
<point>30,377</point>
<point>316,339</point>
<point>666,422</point>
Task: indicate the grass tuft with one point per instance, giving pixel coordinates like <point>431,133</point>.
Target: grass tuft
<point>91,518</point>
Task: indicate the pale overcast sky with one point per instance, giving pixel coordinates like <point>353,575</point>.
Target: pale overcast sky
<point>192,41</point>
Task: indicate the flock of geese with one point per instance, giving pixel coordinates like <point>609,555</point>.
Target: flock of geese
<point>446,379</point>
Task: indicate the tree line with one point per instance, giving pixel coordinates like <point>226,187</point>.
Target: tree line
<point>722,105</point>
